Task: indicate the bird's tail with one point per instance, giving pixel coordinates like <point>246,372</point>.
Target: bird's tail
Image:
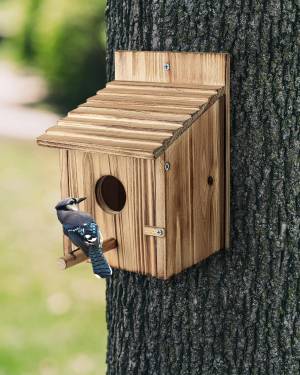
<point>100,266</point>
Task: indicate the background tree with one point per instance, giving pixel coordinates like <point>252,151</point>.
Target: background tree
<point>238,312</point>
<point>65,40</point>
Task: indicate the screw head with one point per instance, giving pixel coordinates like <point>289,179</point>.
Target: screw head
<point>167,67</point>
<point>167,166</point>
<point>160,232</point>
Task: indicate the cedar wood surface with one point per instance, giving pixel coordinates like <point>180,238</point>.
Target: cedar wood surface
<point>173,200</point>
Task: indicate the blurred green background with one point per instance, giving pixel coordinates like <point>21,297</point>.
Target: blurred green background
<point>52,57</point>
<point>65,40</point>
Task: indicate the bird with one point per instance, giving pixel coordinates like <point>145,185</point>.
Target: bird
<point>84,232</point>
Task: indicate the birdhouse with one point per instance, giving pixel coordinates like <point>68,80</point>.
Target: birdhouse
<point>150,151</point>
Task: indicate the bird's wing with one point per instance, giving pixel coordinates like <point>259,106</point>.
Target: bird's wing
<point>83,235</point>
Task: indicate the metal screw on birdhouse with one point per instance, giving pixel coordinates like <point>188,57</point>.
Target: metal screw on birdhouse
<point>167,166</point>
<point>160,232</point>
<point>167,67</point>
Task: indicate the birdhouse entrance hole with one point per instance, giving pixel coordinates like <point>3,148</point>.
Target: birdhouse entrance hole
<point>110,194</point>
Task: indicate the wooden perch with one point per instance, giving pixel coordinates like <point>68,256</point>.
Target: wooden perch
<point>78,256</point>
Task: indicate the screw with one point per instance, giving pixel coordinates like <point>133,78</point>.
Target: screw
<point>167,166</point>
<point>167,67</point>
<point>160,232</point>
<point>210,180</point>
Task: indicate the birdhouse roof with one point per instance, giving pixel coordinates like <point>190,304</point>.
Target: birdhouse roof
<point>138,119</point>
<point>156,96</point>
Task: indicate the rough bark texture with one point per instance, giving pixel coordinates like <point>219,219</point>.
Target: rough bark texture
<point>238,312</point>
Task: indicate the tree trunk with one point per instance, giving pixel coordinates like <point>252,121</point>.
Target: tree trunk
<point>238,312</point>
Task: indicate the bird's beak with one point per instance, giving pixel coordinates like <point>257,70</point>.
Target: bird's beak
<point>80,200</point>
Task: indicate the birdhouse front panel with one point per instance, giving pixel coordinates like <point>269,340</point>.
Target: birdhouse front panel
<point>123,195</point>
<point>151,153</point>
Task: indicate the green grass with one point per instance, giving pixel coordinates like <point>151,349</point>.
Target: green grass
<point>52,322</point>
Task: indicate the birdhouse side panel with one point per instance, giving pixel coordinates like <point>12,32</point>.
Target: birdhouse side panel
<point>195,192</point>
<point>144,206</point>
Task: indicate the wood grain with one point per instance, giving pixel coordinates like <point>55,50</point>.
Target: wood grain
<point>129,132</point>
<point>195,209</point>
<point>64,189</point>
<point>94,102</point>
<point>188,87</point>
<point>136,251</point>
<point>110,141</point>
<point>69,143</point>
<point>145,92</point>
<point>114,132</point>
<point>151,99</point>
<point>142,118</point>
<point>129,113</point>
<point>160,215</point>
<point>186,67</point>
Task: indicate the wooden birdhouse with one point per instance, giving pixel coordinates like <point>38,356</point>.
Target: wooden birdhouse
<point>151,153</point>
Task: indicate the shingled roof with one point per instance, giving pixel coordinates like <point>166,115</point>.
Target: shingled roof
<point>139,119</point>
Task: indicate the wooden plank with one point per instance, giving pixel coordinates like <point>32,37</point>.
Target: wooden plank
<point>146,66</point>
<point>160,215</point>
<point>142,84</point>
<point>158,91</point>
<point>204,68</point>
<point>132,113</point>
<point>137,123</point>
<point>70,144</point>
<point>143,98</point>
<point>73,175</point>
<point>179,206</point>
<point>158,125</point>
<point>109,131</point>
<point>148,204</point>
<point>195,209</point>
<point>64,189</point>
<point>133,105</point>
<point>216,120</point>
<point>137,144</point>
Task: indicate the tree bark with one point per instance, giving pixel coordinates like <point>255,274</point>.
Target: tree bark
<point>238,312</point>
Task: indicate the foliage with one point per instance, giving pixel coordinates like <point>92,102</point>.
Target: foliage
<point>25,38</point>
<point>65,40</point>
<point>52,322</point>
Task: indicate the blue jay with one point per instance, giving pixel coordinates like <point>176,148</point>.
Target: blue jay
<point>82,230</point>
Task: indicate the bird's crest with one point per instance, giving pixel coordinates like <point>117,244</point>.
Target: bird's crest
<point>69,204</point>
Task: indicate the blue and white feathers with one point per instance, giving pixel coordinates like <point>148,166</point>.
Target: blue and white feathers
<point>83,231</point>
